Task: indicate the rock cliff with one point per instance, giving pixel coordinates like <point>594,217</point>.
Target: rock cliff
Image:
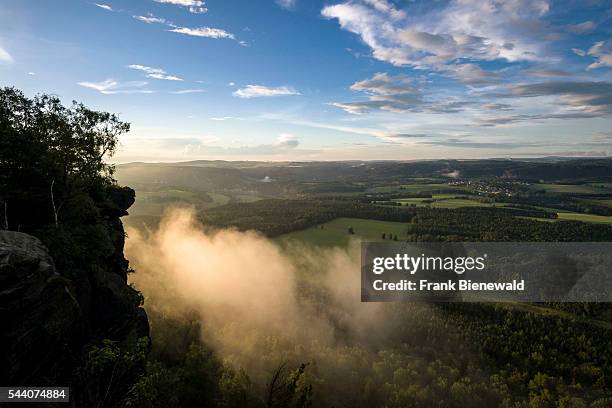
<point>49,319</point>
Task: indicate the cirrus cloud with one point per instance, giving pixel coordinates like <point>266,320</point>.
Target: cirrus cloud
<point>112,87</point>
<point>104,6</point>
<point>194,6</point>
<point>151,19</point>
<point>188,91</point>
<point>287,4</point>
<point>155,73</point>
<point>207,32</point>
<point>5,57</point>
<point>258,91</point>
<point>602,51</point>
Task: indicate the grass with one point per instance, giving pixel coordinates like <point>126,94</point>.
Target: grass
<point>247,198</point>
<point>447,201</point>
<point>569,188</point>
<point>218,198</point>
<point>571,216</point>
<point>414,188</point>
<point>606,202</point>
<point>335,233</point>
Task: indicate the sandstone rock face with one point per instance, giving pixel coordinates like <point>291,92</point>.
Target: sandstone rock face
<point>41,318</point>
<point>48,321</point>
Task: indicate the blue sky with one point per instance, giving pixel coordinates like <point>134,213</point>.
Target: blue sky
<point>325,80</point>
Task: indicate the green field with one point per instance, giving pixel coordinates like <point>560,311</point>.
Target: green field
<point>571,188</point>
<point>335,233</point>
<point>572,216</point>
<point>218,198</point>
<point>606,202</point>
<point>414,188</point>
<point>447,201</point>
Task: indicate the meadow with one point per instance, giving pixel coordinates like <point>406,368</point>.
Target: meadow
<point>336,232</point>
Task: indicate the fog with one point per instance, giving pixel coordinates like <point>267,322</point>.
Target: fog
<point>260,304</point>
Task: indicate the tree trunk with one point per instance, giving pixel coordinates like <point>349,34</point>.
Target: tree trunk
<point>53,203</point>
<point>6,216</point>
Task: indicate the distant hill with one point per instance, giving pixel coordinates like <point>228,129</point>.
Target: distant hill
<point>273,177</point>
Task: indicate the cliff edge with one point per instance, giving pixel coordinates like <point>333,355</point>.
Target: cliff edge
<point>49,318</point>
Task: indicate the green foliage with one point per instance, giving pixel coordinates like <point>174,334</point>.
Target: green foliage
<point>57,152</point>
<point>289,390</point>
<point>54,181</point>
<point>197,379</point>
<point>109,370</point>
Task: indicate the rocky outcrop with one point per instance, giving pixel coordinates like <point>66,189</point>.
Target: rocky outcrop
<point>114,312</point>
<point>49,320</point>
<point>41,318</point>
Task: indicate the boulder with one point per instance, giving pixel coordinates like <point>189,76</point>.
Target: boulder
<point>41,317</point>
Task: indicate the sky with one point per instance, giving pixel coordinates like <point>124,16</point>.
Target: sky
<point>325,80</point>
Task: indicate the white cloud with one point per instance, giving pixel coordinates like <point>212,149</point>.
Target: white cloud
<point>5,57</point>
<point>602,51</point>
<point>398,94</point>
<point>207,32</point>
<point>287,4</point>
<point>390,93</point>
<point>194,6</point>
<point>572,99</point>
<point>222,118</point>
<point>32,73</point>
<point>582,28</point>
<point>150,19</point>
<point>579,52</point>
<point>287,140</point>
<point>471,74</point>
<point>111,86</point>
<point>209,146</point>
<point>187,91</point>
<point>547,73</point>
<point>104,6</point>
<point>387,8</point>
<point>155,73</point>
<point>256,91</point>
<point>482,30</point>
<point>384,84</point>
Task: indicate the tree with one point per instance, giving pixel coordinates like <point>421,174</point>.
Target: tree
<point>288,389</point>
<point>58,152</point>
